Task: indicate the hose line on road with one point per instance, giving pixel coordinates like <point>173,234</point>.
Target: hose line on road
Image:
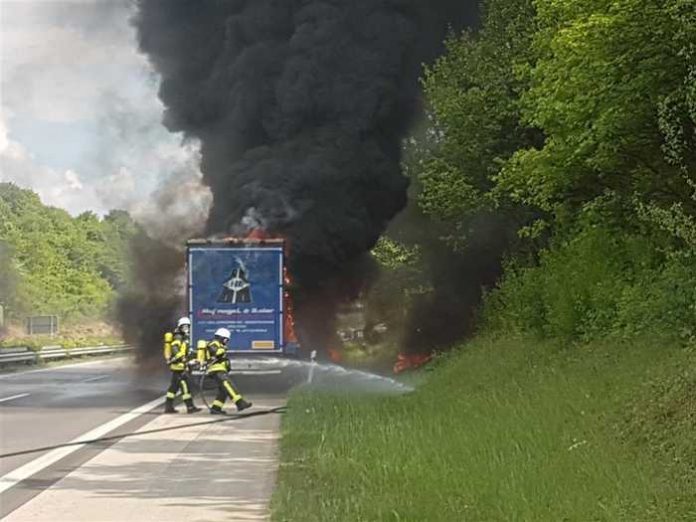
<point>234,417</point>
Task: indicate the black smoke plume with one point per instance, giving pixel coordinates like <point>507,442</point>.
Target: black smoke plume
<point>154,298</point>
<point>449,312</point>
<point>300,108</point>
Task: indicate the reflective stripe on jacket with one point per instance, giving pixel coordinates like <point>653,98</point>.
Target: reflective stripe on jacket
<point>175,351</point>
<point>217,357</point>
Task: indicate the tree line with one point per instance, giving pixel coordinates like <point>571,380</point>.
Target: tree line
<point>563,134</point>
<point>52,263</point>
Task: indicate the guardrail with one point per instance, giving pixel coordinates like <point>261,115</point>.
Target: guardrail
<point>22,354</point>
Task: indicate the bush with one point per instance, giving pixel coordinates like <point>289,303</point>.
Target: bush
<point>600,283</point>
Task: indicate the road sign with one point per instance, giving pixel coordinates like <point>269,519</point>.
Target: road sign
<point>42,325</point>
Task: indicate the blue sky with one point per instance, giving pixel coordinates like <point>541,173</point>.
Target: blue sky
<point>79,113</point>
<point>56,143</point>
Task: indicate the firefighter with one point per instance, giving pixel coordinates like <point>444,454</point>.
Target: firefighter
<point>176,354</point>
<point>218,365</point>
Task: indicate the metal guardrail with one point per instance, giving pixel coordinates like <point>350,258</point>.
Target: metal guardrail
<point>23,354</point>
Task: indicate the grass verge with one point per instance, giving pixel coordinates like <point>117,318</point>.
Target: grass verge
<point>503,430</point>
<point>37,342</point>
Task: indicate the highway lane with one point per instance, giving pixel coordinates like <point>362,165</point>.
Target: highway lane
<point>54,406</point>
<point>174,468</point>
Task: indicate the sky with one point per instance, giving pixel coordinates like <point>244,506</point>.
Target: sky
<point>80,121</point>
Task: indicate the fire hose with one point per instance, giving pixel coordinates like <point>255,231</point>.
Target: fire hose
<point>204,380</point>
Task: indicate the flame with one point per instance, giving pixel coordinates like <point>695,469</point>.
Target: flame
<point>289,334</point>
<point>411,361</point>
<point>289,317</point>
<point>260,234</point>
<point>335,355</point>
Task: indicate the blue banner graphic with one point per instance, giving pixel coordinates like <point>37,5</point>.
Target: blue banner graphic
<point>238,288</point>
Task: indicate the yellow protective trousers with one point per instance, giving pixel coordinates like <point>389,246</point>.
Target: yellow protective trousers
<point>225,389</point>
<point>180,381</point>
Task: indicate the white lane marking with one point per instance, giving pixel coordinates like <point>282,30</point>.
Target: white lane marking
<point>19,396</point>
<point>62,366</point>
<point>92,379</point>
<point>32,468</point>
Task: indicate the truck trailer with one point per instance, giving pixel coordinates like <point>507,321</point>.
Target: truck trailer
<point>241,285</point>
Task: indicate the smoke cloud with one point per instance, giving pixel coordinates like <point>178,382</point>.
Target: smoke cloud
<point>80,121</point>
<point>300,108</point>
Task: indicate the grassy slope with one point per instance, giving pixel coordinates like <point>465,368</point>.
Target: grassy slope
<point>503,430</point>
<point>91,333</point>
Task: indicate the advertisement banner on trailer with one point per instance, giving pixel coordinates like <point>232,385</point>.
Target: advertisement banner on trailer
<point>238,288</point>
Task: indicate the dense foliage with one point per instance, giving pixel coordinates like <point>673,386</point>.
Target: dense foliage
<point>571,124</point>
<point>53,263</point>
<point>575,122</point>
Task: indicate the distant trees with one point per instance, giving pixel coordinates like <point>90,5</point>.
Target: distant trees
<point>53,263</point>
<point>8,277</point>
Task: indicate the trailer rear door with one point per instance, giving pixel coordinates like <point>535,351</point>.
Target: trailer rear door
<point>238,287</point>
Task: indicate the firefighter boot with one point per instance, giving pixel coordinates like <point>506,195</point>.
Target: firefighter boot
<point>216,409</point>
<point>169,406</point>
<point>190,407</point>
<point>241,404</point>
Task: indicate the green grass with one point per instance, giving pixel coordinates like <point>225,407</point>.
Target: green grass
<point>66,341</point>
<point>503,430</point>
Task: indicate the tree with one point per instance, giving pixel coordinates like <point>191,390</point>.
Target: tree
<point>612,89</point>
<point>56,263</point>
<point>463,227</point>
<point>473,93</point>
<point>9,279</point>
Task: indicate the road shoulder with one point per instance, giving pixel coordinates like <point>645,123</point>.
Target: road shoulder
<point>188,470</point>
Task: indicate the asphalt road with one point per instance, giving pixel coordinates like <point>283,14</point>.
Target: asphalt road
<point>54,406</point>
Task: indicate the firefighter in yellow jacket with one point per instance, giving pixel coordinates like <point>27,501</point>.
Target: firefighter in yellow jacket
<point>176,355</point>
<point>213,356</point>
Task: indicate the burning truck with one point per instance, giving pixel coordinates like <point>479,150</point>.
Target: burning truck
<point>242,285</point>
<point>300,110</point>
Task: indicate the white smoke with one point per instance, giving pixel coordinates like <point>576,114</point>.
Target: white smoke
<point>60,188</point>
<point>80,120</point>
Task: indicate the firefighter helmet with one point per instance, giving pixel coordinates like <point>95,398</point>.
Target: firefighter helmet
<point>223,333</point>
<point>184,321</point>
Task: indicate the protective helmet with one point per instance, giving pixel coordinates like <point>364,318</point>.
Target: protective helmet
<point>223,333</point>
<point>184,321</point>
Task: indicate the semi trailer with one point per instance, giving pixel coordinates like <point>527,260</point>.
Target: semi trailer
<point>242,285</point>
